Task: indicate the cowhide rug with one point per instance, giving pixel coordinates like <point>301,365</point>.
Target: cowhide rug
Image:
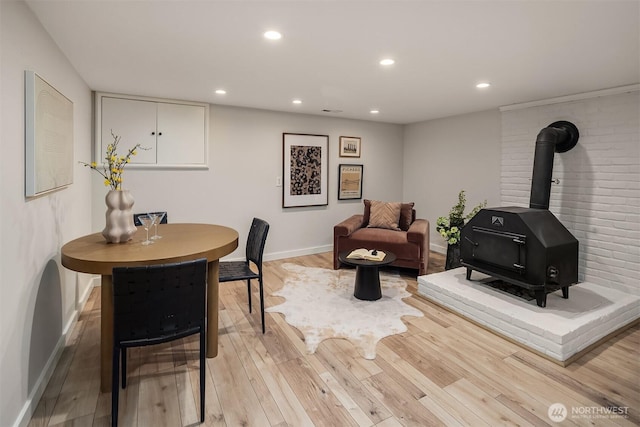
<point>320,303</point>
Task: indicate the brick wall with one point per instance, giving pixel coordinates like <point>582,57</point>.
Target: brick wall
<point>598,197</point>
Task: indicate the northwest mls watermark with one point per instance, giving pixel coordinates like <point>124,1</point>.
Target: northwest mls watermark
<point>558,412</point>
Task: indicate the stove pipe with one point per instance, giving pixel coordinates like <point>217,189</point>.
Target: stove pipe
<point>557,137</point>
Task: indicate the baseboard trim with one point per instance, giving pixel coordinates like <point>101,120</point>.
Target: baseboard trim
<point>29,407</point>
<point>273,256</point>
<point>24,417</point>
<point>298,252</point>
<point>438,248</point>
<point>82,300</point>
<point>290,254</point>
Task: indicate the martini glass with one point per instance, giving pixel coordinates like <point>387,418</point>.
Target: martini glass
<point>147,222</point>
<point>159,218</point>
<point>154,219</point>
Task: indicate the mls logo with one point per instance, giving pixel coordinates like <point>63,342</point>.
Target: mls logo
<point>497,221</point>
<point>557,412</point>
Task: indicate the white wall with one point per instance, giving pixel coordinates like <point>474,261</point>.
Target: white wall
<point>444,156</point>
<point>598,198</point>
<point>245,157</point>
<point>39,297</point>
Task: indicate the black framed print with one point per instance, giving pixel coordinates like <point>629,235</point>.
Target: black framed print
<point>349,146</point>
<point>305,161</point>
<point>350,182</point>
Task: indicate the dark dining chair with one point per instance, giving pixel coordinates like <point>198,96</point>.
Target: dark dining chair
<point>153,305</point>
<point>137,222</point>
<point>241,270</point>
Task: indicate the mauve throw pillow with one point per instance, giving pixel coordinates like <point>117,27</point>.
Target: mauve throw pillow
<point>406,216</point>
<point>367,212</point>
<point>384,215</point>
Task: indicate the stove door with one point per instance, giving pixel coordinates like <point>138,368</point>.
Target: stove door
<point>502,249</point>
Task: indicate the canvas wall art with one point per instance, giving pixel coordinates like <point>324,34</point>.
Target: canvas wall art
<point>48,137</point>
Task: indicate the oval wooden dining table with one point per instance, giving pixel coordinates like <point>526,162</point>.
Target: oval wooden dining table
<point>179,242</point>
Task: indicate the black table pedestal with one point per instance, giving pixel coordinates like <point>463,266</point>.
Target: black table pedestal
<point>367,285</point>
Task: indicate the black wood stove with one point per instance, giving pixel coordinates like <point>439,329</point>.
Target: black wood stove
<point>527,247</point>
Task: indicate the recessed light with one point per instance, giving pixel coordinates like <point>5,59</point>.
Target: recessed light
<point>221,92</point>
<point>483,85</point>
<point>374,111</point>
<point>272,35</point>
<point>297,101</point>
<point>387,61</point>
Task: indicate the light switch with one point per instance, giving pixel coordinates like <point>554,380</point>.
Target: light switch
<point>278,181</point>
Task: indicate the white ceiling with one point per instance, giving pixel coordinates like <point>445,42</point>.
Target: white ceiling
<point>328,56</point>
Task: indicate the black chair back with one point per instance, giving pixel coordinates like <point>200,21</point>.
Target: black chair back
<point>137,222</point>
<point>256,241</point>
<point>156,304</point>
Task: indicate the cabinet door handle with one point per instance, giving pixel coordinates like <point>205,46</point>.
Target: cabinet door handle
<point>159,133</point>
<point>153,133</point>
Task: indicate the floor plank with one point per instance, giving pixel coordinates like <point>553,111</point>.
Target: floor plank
<point>319,401</point>
<point>336,364</point>
<point>484,406</point>
<point>401,402</point>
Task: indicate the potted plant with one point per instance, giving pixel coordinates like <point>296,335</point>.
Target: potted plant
<point>449,228</point>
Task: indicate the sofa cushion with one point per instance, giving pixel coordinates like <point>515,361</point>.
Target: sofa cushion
<point>366,213</point>
<point>407,215</point>
<point>384,215</point>
<point>382,239</point>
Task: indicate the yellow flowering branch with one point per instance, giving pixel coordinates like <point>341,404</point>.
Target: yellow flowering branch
<point>113,168</point>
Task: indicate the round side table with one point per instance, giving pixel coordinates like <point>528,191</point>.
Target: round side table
<point>367,286</point>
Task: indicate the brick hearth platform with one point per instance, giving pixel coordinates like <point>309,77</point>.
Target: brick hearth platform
<point>561,330</point>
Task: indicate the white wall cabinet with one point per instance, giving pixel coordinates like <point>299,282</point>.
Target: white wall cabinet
<point>173,134</point>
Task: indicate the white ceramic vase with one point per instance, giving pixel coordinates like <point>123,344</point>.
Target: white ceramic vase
<point>119,226</point>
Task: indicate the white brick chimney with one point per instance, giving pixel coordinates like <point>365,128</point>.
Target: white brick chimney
<point>598,194</point>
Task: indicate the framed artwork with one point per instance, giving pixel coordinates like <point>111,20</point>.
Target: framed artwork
<point>305,164</point>
<point>350,182</point>
<point>349,146</point>
<point>48,137</point>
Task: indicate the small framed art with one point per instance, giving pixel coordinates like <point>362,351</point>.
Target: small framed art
<point>305,162</point>
<point>349,146</point>
<point>350,182</point>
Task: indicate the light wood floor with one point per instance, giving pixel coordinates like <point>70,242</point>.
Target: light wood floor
<point>442,371</point>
